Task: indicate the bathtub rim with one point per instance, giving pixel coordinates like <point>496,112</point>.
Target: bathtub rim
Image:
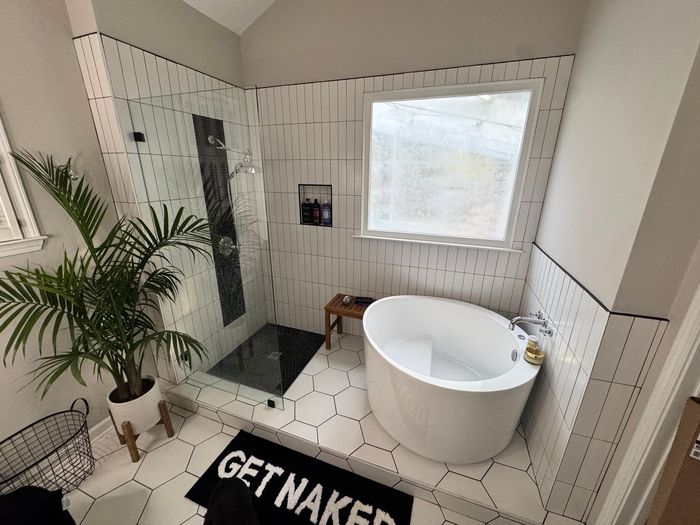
<point>521,374</point>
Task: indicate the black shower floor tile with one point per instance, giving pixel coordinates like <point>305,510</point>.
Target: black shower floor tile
<point>271,359</point>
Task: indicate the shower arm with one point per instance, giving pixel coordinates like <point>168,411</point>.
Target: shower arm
<point>214,141</point>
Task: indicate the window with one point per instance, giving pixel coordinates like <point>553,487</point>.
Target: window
<point>447,164</point>
<point>18,230</point>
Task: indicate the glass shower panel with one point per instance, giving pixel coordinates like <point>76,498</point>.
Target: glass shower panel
<point>192,144</point>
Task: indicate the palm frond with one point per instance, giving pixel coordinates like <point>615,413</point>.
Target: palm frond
<point>106,298</point>
<point>80,201</point>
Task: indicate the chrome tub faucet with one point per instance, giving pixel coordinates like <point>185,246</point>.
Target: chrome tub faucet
<point>537,318</point>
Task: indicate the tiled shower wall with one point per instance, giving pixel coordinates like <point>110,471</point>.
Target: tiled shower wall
<point>312,134</point>
<point>597,362</point>
<point>133,90</point>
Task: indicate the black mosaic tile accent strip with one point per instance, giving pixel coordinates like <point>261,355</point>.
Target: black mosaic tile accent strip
<point>215,180</point>
<point>271,359</point>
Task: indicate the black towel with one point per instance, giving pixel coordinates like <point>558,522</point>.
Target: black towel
<point>34,506</point>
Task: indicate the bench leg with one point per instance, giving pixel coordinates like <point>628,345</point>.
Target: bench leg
<point>328,330</point>
<point>339,324</point>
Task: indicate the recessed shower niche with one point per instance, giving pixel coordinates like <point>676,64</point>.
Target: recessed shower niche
<point>316,205</point>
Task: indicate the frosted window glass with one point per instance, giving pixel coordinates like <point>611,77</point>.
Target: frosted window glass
<point>446,166</point>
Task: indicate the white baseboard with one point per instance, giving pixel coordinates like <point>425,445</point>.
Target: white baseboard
<point>100,428</point>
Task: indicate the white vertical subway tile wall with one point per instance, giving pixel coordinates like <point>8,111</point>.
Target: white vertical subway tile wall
<point>596,365</point>
<point>132,90</point>
<point>312,134</point>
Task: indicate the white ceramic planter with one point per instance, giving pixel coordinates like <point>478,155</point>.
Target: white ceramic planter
<point>142,412</point>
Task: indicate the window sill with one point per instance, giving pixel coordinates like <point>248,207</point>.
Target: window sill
<point>437,243</point>
<point>20,246</point>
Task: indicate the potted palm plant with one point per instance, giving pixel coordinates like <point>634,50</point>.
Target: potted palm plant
<point>106,296</point>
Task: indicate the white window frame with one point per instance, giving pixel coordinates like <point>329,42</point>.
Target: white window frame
<point>22,233</point>
<point>532,85</point>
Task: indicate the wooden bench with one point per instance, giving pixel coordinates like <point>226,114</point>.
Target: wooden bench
<point>336,307</point>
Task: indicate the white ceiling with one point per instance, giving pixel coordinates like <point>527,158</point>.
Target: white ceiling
<point>236,15</point>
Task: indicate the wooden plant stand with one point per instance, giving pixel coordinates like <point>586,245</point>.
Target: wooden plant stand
<point>128,438</point>
<point>336,307</point>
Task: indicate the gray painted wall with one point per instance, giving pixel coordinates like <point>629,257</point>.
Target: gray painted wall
<point>631,69</point>
<point>305,40</point>
<point>43,107</point>
<point>169,28</point>
<point>670,227</point>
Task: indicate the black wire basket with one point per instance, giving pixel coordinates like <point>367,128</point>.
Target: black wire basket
<point>53,453</point>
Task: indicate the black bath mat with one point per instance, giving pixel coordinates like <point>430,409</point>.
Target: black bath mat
<point>319,485</point>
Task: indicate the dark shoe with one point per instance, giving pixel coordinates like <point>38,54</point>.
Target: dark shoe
<point>231,503</point>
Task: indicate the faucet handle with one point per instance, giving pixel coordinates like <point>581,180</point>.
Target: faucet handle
<point>539,314</point>
<point>546,331</point>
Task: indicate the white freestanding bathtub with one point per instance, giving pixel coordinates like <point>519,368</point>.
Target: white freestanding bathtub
<point>446,379</point>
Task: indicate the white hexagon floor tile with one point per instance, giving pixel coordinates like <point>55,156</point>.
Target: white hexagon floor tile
<point>306,445</point>
<point>343,360</point>
<point>352,402</point>
<point>79,505</point>
<point>266,434</point>
<point>252,395</point>
<point>426,513</point>
<point>228,386</point>
<point>327,407</point>
<point>358,377</point>
<point>331,381</point>
<point>341,434</point>
<point>205,453</point>
<point>472,470</point>
<point>108,443</point>
<point>464,507</point>
<point>197,429</point>
<point>380,475</point>
<point>164,463</point>
<point>316,364</point>
<point>417,468</point>
<point>168,504</point>
<point>344,435</point>
<point>466,488</point>
<point>315,408</point>
<point>334,460</point>
<point>454,518</point>
<point>214,396</point>
<point>301,386</point>
<point>240,409</point>
<point>352,342</point>
<point>515,454</point>
<point>110,472</point>
<point>375,456</point>
<point>375,434</point>
<point>157,435</point>
<point>185,390</point>
<point>274,417</point>
<point>511,488</point>
<point>122,505</point>
<point>302,430</point>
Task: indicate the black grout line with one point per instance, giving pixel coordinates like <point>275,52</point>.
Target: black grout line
<point>611,312</point>
<point>402,73</point>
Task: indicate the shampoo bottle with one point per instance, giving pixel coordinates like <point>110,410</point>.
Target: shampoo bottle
<point>316,207</point>
<point>307,212</point>
<point>326,219</point>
